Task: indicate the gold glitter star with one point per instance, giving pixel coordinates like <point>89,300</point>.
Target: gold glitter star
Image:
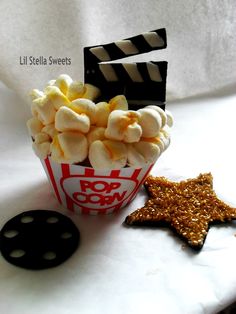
<point>188,207</point>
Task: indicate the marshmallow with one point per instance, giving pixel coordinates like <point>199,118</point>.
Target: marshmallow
<point>162,140</point>
<point>50,130</point>
<point>142,153</point>
<point>63,82</point>
<point>95,133</point>
<point>68,120</point>
<point>161,112</point>
<point>58,99</point>
<point>69,147</point>
<point>107,154</point>
<point>104,109</point>
<point>51,82</point>
<point>115,136</point>
<point>57,153</point>
<point>76,90</point>
<point>123,126</point>
<point>41,150</point>
<point>34,126</point>
<point>43,109</point>
<point>155,140</point>
<point>118,102</point>
<point>91,92</point>
<point>41,137</point>
<point>170,119</point>
<point>165,137</point>
<point>35,93</point>
<point>84,106</point>
<point>150,121</point>
<point>41,145</point>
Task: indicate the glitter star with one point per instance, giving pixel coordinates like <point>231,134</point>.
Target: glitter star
<point>188,207</point>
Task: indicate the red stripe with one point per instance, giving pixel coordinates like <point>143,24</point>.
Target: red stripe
<point>65,170</point>
<point>66,173</point>
<point>141,182</point>
<point>53,181</point>
<point>85,211</point>
<point>115,173</point>
<point>89,172</point>
<point>135,173</point>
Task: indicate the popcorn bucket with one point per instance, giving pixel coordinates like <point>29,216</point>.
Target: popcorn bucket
<point>85,190</point>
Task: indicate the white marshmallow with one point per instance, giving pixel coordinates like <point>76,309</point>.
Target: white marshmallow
<point>162,140</point>
<point>142,153</point>
<point>56,151</point>
<point>107,154</point>
<point>161,112</point>
<point>95,133</point>
<point>150,121</point>
<point>155,140</point>
<point>50,130</point>
<point>41,150</point>
<point>118,102</point>
<point>58,99</point>
<point>91,92</point>
<point>69,147</point>
<point>41,137</point>
<point>104,109</point>
<point>160,143</point>
<point>165,137</point>
<point>76,90</point>
<point>67,107</point>
<point>84,106</point>
<point>34,126</point>
<point>51,83</point>
<point>41,145</point>
<point>170,119</point>
<point>35,93</point>
<point>63,82</point>
<point>43,109</point>
<point>123,126</point>
<point>68,120</point>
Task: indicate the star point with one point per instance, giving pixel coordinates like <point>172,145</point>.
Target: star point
<point>188,207</point>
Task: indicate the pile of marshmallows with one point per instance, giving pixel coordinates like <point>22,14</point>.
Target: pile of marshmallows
<point>68,126</point>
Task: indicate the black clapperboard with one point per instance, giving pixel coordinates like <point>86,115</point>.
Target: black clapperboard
<point>143,83</point>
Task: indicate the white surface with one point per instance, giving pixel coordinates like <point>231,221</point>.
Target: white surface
<point>117,269</point>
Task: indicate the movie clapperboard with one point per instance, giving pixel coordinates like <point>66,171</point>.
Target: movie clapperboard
<point>143,83</point>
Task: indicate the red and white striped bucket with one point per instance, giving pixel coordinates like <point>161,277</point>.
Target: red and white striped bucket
<point>89,191</point>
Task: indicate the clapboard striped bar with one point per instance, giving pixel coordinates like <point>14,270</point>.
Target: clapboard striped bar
<point>139,82</point>
<point>142,83</point>
<point>133,72</point>
<point>131,46</point>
